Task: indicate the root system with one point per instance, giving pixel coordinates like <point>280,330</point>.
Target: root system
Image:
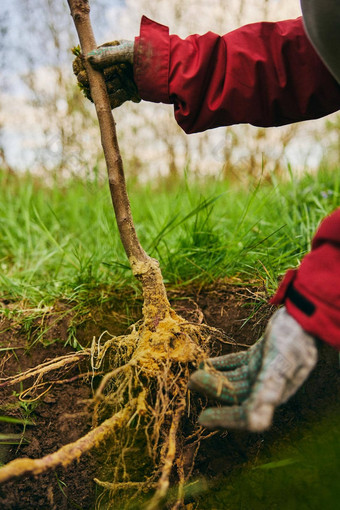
<point>139,403</point>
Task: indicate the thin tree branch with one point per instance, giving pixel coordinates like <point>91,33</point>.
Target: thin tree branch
<point>80,12</point>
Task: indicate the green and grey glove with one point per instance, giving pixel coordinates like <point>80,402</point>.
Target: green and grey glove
<point>115,60</point>
<point>112,53</point>
<point>253,383</point>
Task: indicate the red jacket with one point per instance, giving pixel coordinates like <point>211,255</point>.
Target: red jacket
<point>266,74</point>
<point>311,293</point>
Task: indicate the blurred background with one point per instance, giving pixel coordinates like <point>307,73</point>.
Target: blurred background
<point>49,128</point>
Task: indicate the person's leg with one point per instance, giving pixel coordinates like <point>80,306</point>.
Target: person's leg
<point>322,23</point>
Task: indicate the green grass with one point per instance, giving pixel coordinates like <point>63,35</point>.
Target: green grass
<point>62,242</point>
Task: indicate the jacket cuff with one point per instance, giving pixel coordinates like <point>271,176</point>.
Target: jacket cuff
<point>151,61</point>
<point>280,296</point>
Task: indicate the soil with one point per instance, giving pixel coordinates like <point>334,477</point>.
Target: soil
<point>63,414</point>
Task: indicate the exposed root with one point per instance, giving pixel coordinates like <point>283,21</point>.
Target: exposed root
<point>170,447</point>
<point>44,368</point>
<point>66,454</point>
<point>23,394</point>
<point>36,386</point>
<point>123,485</point>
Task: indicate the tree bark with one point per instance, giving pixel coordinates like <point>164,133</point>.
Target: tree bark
<point>80,10</point>
<point>145,268</point>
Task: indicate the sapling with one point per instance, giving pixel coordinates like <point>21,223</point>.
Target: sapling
<point>144,390</point>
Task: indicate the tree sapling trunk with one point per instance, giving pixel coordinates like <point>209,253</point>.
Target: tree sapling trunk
<point>145,268</point>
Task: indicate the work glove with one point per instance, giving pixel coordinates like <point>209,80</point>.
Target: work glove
<point>115,60</point>
<point>254,382</point>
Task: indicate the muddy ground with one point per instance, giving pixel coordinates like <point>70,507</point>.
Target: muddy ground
<point>63,414</point>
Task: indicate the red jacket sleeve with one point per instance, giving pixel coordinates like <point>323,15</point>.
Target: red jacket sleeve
<point>311,293</point>
<point>265,74</point>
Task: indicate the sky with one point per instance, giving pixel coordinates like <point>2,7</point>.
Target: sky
<point>24,45</point>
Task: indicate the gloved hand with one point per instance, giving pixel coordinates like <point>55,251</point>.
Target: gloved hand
<point>111,53</point>
<point>115,59</point>
<point>253,383</point>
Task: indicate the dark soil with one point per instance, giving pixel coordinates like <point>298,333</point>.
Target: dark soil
<point>63,414</point>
